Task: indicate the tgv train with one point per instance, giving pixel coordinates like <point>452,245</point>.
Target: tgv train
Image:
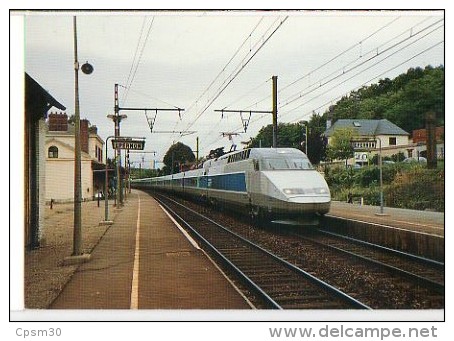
<point>267,183</point>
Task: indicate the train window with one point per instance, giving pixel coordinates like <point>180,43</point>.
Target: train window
<point>243,155</point>
<point>285,163</point>
<point>300,164</point>
<point>273,164</point>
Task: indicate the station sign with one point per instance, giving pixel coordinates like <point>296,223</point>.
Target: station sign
<point>130,144</point>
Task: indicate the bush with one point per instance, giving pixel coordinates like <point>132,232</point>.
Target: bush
<point>404,185</point>
<point>418,189</point>
<point>370,195</point>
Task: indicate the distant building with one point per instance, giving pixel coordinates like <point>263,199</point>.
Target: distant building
<point>393,138</point>
<point>37,104</point>
<point>59,146</point>
<point>420,141</point>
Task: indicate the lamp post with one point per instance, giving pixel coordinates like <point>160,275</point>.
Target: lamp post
<point>117,118</point>
<point>359,144</point>
<point>106,190</point>
<point>305,136</point>
<point>380,165</point>
<point>86,68</point>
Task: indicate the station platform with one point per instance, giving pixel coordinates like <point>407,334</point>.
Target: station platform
<point>412,220</point>
<point>417,232</point>
<point>144,261</point>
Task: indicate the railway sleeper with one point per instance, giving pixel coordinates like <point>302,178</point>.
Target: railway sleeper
<point>265,268</point>
<point>316,305</point>
<point>278,275</point>
<point>283,289</point>
<point>298,298</point>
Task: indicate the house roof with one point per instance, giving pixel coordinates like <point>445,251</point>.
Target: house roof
<point>70,132</point>
<point>367,127</point>
<point>37,100</point>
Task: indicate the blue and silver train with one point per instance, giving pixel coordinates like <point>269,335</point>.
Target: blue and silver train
<point>267,183</point>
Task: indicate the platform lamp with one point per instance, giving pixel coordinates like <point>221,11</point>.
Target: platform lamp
<point>87,69</point>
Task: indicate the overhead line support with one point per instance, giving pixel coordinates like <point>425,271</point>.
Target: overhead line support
<point>245,121</point>
<point>117,119</point>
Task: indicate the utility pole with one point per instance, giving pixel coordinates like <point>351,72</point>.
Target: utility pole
<point>431,140</point>
<point>106,188</point>
<point>197,150</point>
<point>274,112</point>
<point>77,255</point>
<point>77,242</point>
<point>117,118</point>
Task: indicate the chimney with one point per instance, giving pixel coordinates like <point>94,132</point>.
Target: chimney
<point>84,135</point>
<point>58,122</point>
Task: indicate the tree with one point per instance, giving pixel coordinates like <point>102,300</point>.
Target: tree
<point>316,142</point>
<point>340,146</point>
<point>180,154</point>
<point>403,100</point>
<point>293,135</point>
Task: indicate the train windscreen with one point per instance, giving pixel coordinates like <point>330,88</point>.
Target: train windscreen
<point>285,163</point>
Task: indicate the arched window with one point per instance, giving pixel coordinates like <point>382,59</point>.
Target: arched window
<point>52,152</point>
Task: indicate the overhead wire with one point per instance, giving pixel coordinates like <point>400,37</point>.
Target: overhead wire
<point>141,93</point>
<point>139,59</point>
<point>330,60</point>
<point>368,81</point>
<point>134,58</point>
<point>238,69</point>
<point>188,110</point>
<point>342,74</point>
<point>341,53</point>
<point>320,81</point>
<point>244,95</point>
<point>222,89</point>
<point>247,93</point>
<point>363,84</point>
<point>226,65</point>
<point>300,105</point>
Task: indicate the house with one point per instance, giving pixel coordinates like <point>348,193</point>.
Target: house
<point>420,141</point>
<point>37,104</point>
<point>59,146</point>
<point>375,134</point>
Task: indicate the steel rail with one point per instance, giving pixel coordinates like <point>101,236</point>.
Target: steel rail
<point>436,286</point>
<point>429,261</point>
<point>329,288</point>
<point>267,299</point>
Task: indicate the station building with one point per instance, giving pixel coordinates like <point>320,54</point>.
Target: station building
<point>37,103</point>
<point>59,147</point>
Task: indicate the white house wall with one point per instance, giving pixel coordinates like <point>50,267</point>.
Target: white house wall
<point>94,142</point>
<point>41,173</point>
<point>400,140</point>
<point>60,174</point>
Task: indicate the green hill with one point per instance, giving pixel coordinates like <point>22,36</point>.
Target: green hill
<point>403,100</point>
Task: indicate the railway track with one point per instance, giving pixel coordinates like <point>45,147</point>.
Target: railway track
<point>276,282</point>
<point>399,280</point>
<point>423,271</point>
<point>379,278</point>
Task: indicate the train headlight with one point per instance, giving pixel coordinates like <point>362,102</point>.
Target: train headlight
<point>321,190</point>
<point>293,191</point>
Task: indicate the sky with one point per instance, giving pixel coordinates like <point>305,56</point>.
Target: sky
<point>207,61</point>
